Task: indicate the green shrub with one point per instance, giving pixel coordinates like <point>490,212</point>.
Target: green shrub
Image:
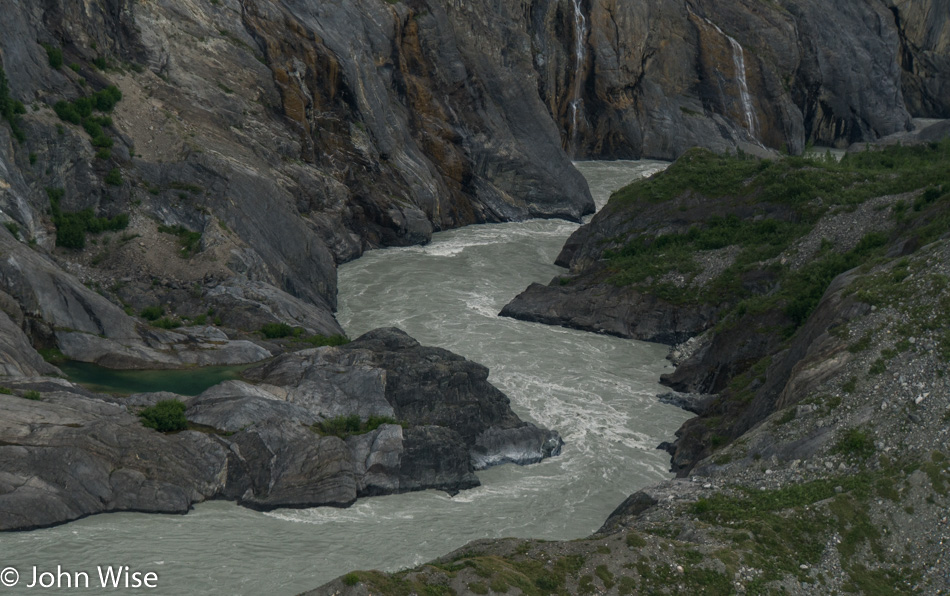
<point>634,540</point>
<point>190,241</point>
<point>32,395</point>
<point>67,112</point>
<point>351,579</point>
<point>325,340</point>
<point>277,330</point>
<point>114,177</point>
<point>345,426</point>
<point>70,233</point>
<point>6,391</point>
<point>79,111</point>
<point>855,443</point>
<point>152,313</point>
<point>71,226</point>
<point>12,228</point>
<point>55,55</point>
<point>340,426</point>
<point>165,416</point>
<point>167,323</point>
<point>11,109</point>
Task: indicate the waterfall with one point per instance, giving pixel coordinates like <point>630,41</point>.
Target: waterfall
<point>580,58</point>
<point>738,62</point>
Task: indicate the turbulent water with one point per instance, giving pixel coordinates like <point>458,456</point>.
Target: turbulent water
<point>597,391</point>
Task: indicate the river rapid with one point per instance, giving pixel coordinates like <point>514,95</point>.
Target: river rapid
<point>597,391</point>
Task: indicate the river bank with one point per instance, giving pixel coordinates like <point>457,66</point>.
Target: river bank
<point>596,381</point>
<point>820,463</point>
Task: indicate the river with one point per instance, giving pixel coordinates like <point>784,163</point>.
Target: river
<point>597,391</point>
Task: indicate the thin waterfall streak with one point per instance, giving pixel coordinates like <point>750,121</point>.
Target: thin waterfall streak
<point>580,57</point>
<point>738,62</point>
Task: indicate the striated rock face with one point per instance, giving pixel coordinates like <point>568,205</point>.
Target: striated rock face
<point>281,137</point>
<point>924,29</point>
<point>71,453</point>
<point>660,77</point>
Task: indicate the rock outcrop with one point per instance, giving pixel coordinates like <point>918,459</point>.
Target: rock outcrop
<point>69,455</point>
<point>66,453</point>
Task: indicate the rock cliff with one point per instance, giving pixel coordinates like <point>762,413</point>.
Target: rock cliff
<point>657,78</point>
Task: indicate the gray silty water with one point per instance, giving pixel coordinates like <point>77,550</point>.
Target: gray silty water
<point>597,391</point>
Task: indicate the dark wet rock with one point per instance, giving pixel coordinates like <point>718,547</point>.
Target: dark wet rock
<point>285,464</point>
<point>605,308</point>
<point>387,373</point>
<point>436,457</point>
<point>632,506</point>
<point>691,402</point>
<point>522,445</point>
<point>17,356</point>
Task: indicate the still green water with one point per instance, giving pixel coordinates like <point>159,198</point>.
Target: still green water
<point>597,391</point>
<point>189,381</point>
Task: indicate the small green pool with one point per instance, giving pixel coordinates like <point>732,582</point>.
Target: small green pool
<point>189,381</point>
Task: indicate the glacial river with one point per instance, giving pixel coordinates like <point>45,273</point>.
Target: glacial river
<point>597,391</point>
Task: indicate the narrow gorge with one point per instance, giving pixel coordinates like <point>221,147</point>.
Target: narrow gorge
<point>193,193</point>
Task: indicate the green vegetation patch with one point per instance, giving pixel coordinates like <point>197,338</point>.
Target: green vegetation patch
<point>80,112</point>
<point>55,55</point>
<point>165,416</point>
<point>190,241</point>
<point>152,313</point>
<point>13,228</point>
<point>346,426</point>
<point>278,330</point>
<point>805,189</point>
<point>72,226</point>
<point>797,181</point>
<point>10,110</point>
<point>856,443</point>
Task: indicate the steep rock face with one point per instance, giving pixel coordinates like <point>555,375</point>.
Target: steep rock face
<point>17,356</point>
<point>657,78</point>
<point>274,139</point>
<point>924,29</point>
